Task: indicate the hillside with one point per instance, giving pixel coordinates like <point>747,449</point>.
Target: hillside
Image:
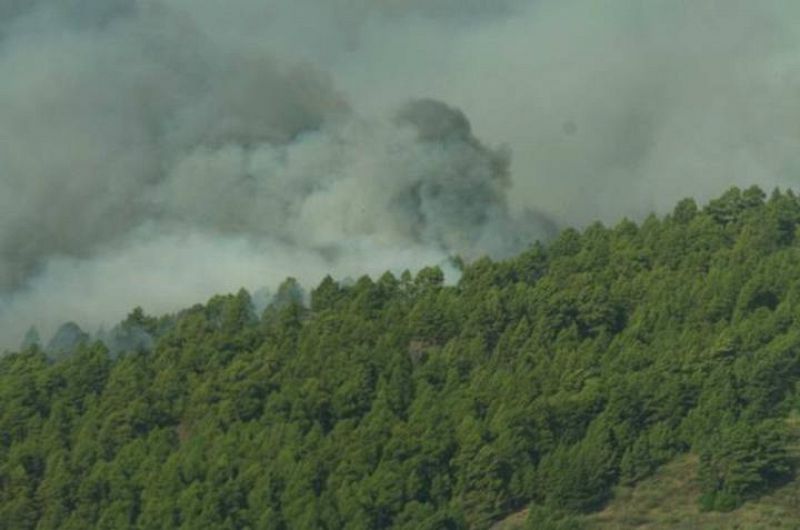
<point>668,501</point>
<point>571,380</point>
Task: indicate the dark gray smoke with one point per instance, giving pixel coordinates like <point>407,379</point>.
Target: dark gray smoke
<point>153,152</point>
<point>97,117</point>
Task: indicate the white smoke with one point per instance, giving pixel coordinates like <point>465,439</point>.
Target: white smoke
<point>151,161</point>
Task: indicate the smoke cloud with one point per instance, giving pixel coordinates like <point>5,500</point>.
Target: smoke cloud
<point>155,152</point>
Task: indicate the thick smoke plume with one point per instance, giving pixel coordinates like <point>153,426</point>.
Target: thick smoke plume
<point>154,152</point>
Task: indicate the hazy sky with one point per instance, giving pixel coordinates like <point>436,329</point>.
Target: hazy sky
<point>155,152</point>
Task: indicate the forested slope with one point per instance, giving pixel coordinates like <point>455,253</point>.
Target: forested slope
<point>543,380</point>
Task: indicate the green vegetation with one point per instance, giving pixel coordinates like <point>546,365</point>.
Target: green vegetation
<point>549,381</point>
<point>667,500</point>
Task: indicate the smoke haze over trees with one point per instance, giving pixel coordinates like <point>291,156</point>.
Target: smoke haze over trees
<point>545,380</point>
<point>154,152</point>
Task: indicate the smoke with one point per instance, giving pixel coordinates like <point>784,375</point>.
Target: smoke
<point>611,109</point>
<point>155,152</point>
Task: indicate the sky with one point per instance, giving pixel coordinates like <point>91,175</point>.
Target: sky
<point>156,152</point>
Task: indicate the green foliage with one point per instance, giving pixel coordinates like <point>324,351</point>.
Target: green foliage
<point>743,461</point>
<point>545,518</point>
<point>404,402</point>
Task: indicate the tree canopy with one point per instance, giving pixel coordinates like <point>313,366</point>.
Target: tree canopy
<point>406,403</point>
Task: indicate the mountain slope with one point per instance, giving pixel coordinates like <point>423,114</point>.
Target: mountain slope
<point>550,380</point>
<point>668,500</point>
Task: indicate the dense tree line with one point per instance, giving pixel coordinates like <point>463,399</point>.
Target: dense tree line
<point>403,402</point>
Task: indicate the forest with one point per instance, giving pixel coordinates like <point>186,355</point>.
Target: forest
<point>543,381</point>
